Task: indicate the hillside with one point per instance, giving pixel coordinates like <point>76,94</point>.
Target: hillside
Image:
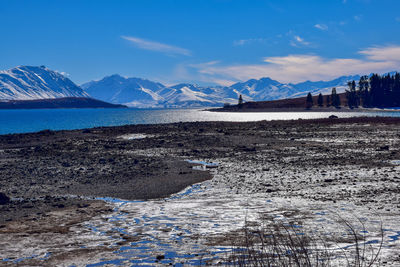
<point>295,104</point>
<point>30,82</point>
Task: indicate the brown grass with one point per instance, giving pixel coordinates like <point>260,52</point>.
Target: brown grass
<point>281,244</point>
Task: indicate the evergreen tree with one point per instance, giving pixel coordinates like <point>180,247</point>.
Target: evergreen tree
<point>381,91</point>
<point>376,91</point>
<point>309,101</point>
<point>363,87</point>
<point>335,98</point>
<point>328,100</point>
<point>240,101</point>
<point>352,96</point>
<point>396,90</point>
<point>387,90</point>
<point>320,100</point>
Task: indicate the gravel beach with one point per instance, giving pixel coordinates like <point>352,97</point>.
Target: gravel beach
<point>301,165</point>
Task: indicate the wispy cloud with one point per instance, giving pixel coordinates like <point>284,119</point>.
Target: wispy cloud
<point>298,41</point>
<point>321,27</point>
<point>357,17</point>
<point>205,64</point>
<point>397,19</point>
<point>297,68</point>
<point>378,53</point>
<point>156,46</point>
<point>248,41</point>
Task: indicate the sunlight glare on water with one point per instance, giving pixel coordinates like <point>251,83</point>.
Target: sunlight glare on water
<point>22,121</point>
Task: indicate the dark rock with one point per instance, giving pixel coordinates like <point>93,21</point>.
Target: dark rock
<point>328,180</point>
<point>46,132</point>
<point>160,257</point>
<point>333,117</point>
<point>66,164</point>
<point>4,199</point>
<point>384,148</point>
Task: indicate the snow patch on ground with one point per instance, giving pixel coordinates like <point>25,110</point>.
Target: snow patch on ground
<point>135,136</point>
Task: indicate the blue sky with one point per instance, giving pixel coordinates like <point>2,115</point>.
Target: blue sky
<point>202,41</point>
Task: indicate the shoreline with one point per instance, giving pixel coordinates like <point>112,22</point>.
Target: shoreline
<point>296,110</point>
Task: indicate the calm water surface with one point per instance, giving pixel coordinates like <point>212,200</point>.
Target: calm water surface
<point>22,121</point>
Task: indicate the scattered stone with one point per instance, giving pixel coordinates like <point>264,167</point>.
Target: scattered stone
<point>4,199</point>
<point>160,257</point>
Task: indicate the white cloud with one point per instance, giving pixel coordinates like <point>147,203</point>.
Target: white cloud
<point>388,53</point>
<point>298,68</point>
<point>205,64</point>
<point>298,41</point>
<point>322,27</point>
<point>156,46</point>
<point>248,41</point>
<point>357,17</point>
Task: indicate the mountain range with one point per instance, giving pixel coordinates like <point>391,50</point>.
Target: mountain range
<point>28,82</point>
<point>140,93</point>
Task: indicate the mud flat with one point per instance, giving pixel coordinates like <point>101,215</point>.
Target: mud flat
<point>152,207</point>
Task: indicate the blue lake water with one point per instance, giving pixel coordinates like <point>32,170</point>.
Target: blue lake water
<point>23,121</point>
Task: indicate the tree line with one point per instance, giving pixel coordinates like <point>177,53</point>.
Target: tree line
<point>375,91</point>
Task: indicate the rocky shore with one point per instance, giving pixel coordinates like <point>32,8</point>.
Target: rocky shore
<point>325,163</point>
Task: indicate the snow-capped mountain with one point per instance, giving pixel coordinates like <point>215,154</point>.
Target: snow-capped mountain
<point>28,82</point>
<point>189,95</point>
<point>263,89</point>
<point>324,87</point>
<point>136,92</point>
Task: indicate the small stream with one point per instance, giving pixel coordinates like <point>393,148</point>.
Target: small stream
<point>163,239</point>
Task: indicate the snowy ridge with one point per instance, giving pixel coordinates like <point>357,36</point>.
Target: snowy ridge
<point>136,92</point>
<point>27,83</point>
<point>141,93</point>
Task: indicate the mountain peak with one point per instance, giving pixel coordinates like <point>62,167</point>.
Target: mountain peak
<point>114,77</point>
<point>36,82</point>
